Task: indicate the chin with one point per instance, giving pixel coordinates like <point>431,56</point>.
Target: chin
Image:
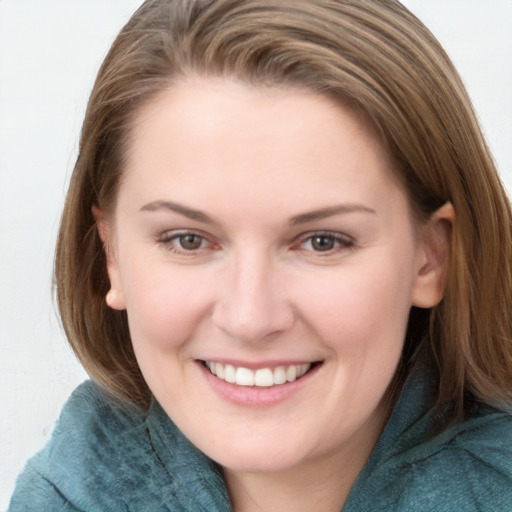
<point>257,464</point>
<point>253,458</point>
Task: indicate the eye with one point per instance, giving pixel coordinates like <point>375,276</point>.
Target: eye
<point>186,243</point>
<point>323,243</point>
<point>326,242</point>
<point>190,241</point>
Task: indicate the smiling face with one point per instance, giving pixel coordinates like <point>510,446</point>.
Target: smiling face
<point>268,260</point>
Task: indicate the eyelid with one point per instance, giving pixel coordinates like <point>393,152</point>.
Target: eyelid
<point>167,238</point>
<point>343,240</point>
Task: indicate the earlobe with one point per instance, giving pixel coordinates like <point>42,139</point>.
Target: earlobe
<point>433,258</point>
<point>115,300</point>
<point>115,297</point>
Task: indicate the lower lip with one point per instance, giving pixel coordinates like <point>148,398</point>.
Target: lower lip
<point>255,396</point>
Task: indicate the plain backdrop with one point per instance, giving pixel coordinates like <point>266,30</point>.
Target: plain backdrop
<point>49,54</point>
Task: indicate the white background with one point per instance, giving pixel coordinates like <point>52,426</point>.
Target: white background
<point>49,54</point>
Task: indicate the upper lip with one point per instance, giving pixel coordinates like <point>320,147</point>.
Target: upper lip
<point>253,365</point>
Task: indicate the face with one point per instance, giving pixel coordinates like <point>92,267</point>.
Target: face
<point>267,260</point>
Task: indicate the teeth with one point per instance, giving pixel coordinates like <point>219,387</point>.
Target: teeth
<point>280,375</point>
<point>229,374</point>
<point>291,373</point>
<point>243,377</point>
<point>264,377</point>
<point>219,371</point>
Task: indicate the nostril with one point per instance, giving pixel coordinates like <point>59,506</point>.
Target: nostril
<point>252,321</point>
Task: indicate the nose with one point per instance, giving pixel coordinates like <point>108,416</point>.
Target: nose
<point>252,305</point>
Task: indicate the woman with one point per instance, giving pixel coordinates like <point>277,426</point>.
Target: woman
<point>284,260</point>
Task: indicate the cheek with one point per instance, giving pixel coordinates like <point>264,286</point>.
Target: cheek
<point>164,304</point>
<point>362,304</point>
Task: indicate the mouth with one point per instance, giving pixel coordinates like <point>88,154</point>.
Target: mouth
<point>262,377</point>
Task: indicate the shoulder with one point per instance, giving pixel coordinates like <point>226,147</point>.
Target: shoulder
<point>34,492</point>
<point>92,430</point>
<point>103,456</point>
<point>467,468</point>
<point>94,459</point>
<point>90,409</point>
<point>470,466</point>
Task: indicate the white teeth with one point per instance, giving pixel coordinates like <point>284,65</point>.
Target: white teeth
<point>303,368</point>
<point>291,373</point>
<point>280,375</point>
<point>243,376</point>
<point>263,377</point>
<point>229,374</point>
<point>219,370</point>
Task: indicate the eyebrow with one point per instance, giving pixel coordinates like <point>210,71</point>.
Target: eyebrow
<point>330,211</point>
<point>190,213</point>
<point>302,218</point>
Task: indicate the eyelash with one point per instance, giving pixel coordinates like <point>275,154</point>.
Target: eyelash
<point>171,242</point>
<point>340,241</point>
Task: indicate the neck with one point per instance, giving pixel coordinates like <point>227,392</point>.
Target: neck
<point>298,492</point>
<point>322,483</point>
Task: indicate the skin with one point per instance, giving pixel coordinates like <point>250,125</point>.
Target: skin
<point>255,286</point>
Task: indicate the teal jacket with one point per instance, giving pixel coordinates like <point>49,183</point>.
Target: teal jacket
<point>103,458</point>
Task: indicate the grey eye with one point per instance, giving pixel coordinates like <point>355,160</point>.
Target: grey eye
<point>323,243</point>
<point>190,242</point>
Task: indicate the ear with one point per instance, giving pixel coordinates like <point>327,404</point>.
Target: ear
<point>433,259</point>
<point>115,296</point>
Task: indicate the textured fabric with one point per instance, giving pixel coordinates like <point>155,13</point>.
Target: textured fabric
<point>105,458</point>
<point>467,468</point>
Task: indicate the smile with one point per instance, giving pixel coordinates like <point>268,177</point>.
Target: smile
<point>263,377</point>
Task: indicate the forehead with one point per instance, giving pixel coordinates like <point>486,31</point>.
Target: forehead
<point>205,106</point>
<point>201,133</point>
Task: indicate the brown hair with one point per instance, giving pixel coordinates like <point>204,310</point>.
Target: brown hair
<point>373,54</point>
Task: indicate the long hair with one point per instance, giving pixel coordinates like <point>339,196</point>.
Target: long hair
<point>372,54</point>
